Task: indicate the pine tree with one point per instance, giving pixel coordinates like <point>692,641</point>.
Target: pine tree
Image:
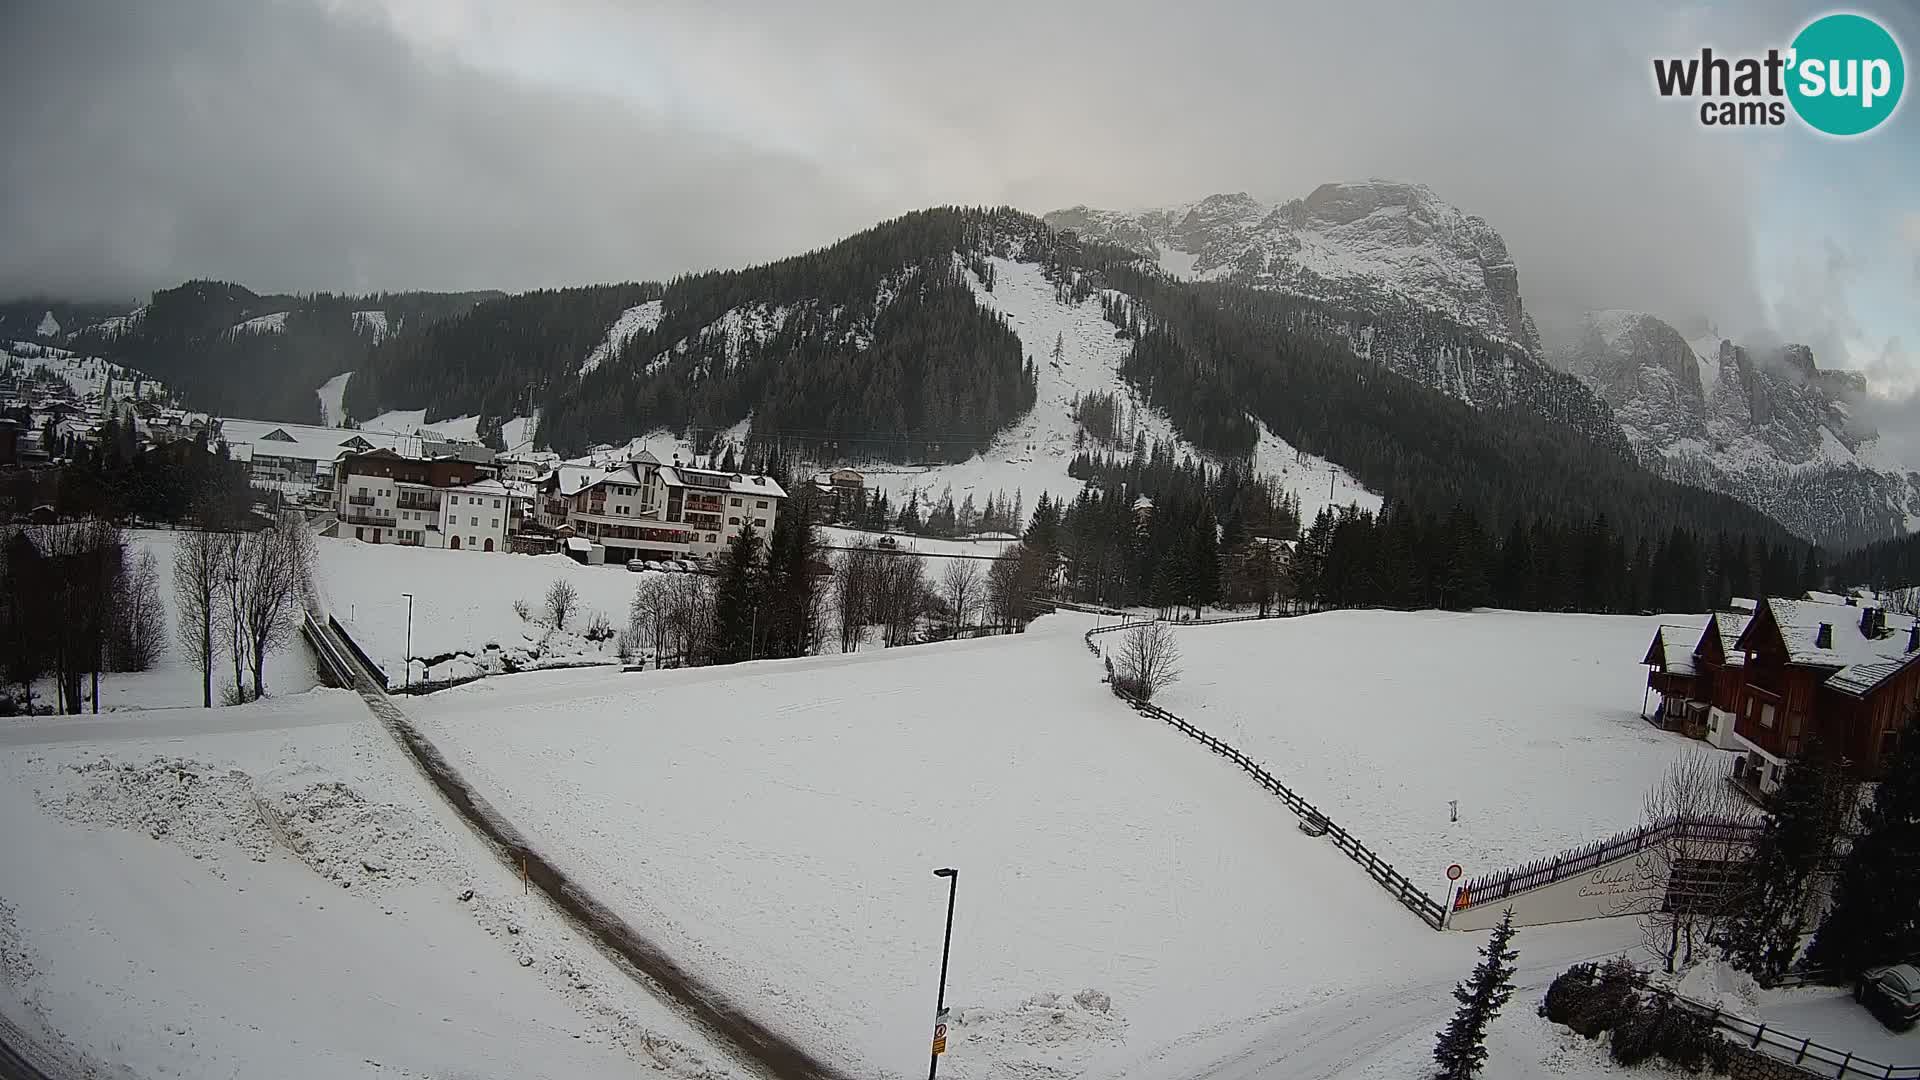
<point>1874,918</point>
<point>1808,813</point>
<point>736,598</point>
<point>1462,1048</point>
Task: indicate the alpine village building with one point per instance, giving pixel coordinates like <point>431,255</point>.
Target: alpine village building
<point>448,501</point>
<point>645,510</point>
<point>1843,671</point>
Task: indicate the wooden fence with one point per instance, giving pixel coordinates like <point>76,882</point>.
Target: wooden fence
<point>1496,887</point>
<point>1430,911</point>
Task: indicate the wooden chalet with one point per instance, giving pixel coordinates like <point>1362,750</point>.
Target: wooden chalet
<point>1844,672</point>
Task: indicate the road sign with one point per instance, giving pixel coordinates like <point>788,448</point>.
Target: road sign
<point>1454,872</point>
<point>940,1032</point>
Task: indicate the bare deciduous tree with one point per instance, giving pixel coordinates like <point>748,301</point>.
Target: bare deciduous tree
<point>853,581</point>
<point>689,616</point>
<point>562,600</point>
<point>1688,891</point>
<point>1149,661</point>
<point>901,597</point>
<point>199,566</point>
<point>961,585</point>
<point>267,581</point>
<point>140,623</point>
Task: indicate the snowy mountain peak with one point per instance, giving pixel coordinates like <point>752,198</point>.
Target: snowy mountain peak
<point>1766,426</point>
<point>1375,246</point>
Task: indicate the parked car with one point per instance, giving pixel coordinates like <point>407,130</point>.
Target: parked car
<point>887,542</point>
<point>637,565</point>
<point>1892,993</point>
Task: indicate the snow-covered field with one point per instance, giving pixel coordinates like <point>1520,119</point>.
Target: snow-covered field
<point>85,374</point>
<point>1531,721</point>
<point>269,890</point>
<point>1128,904</point>
<point>462,603</point>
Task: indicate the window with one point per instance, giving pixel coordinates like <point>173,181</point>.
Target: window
<point>712,539</point>
<point>496,523</point>
<point>473,521</point>
<point>761,505</point>
<point>1889,742</point>
<point>733,521</point>
<point>496,504</point>
<point>735,502</point>
<point>362,491</point>
<point>471,541</point>
<point>760,522</point>
<point>1766,716</point>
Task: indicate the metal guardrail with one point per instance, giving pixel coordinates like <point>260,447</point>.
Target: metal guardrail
<point>1814,1058</point>
<point>1412,897</point>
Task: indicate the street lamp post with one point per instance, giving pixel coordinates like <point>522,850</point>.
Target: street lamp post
<point>946,948</point>
<point>408,659</point>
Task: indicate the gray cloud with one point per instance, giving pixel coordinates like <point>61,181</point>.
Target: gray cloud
<point>370,144</point>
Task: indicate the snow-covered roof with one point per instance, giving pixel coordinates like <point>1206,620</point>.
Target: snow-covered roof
<point>737,483</point>
<point>1730,628</point>
<point>1744,603</point>
<point>308,442</point>
<point>579,543</point>
<point>1825,597</point>
<point>1673,648</point>
<point>1861,662</point>
<point>484,487</point>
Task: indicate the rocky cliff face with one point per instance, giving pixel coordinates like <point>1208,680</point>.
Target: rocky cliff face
<point>1416,284</point>
<point>1375,245</point>
<point>1764,425</point>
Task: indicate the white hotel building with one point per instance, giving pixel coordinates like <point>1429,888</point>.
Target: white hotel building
<point>646,510</point>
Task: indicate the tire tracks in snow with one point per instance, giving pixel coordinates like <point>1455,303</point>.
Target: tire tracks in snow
<point>752,1041</point>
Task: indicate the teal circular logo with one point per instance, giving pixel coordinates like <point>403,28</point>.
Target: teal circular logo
<point>1847,74</point>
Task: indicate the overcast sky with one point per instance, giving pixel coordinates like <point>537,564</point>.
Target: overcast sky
<point>358,145</point>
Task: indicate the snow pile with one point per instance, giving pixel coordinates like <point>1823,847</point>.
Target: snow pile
<point>274,323</point>
<point>1715,982</point>
<point>1530,721</point>
<point>292,903</point>
<point>636,320</point>
<point>371,323</point>
<point>333,394</point>
<point>1045,1037</point>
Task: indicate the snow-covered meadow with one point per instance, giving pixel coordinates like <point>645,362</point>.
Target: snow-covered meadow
<point>1128,903</point>
<point>1530,721</point>
<point>270,890</point>
<point>463,603</point>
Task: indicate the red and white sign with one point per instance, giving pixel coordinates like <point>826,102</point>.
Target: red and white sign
<point>1454,872</point>
<point>940,1032</point>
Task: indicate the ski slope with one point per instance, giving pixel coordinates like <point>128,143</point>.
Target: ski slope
<point>270,890</point>
<point>1530,721</point>
<point>333,394</point>
<point>1032,456</point>
<point>87,375</point>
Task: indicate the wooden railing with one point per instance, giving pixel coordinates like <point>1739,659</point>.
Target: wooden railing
<point>1496,887</point>
<point>1430,911</point>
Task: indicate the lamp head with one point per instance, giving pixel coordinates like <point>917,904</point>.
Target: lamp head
<point>946,871</point>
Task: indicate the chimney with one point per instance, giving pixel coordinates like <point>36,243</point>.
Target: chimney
<point>1866,622</point>
<point>1913,637</point>
<point>1823,638</point>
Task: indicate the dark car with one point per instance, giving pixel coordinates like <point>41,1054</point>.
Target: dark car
<point>1892,992</point>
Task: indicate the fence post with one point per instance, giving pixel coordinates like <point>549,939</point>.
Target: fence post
<point>1757,1035</point>
<point>1802,1055</point>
